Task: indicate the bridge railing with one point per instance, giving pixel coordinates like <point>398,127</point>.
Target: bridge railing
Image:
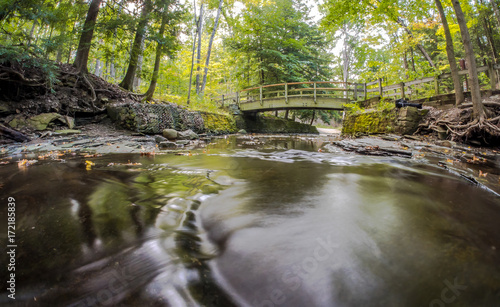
<point>311,89</point>
<point>424,87</point>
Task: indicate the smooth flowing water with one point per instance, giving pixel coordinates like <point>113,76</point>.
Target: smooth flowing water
<point>250,222</point>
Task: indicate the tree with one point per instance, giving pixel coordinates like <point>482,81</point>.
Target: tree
<point>479,111</point>
<point>496,11</point>
<point>198,23</point>
<point>278,43</point>
<point>198,52</point>
<point>128,81</point>
<point>82,54</point>
<point>209,51</point>
<point>167,44</point>
<point>450,52</point>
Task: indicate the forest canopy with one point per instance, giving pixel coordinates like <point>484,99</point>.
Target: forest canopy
<point>193,51</point>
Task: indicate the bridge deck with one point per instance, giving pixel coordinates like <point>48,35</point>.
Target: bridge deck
<point>294,103</point>
<point>295,95</point>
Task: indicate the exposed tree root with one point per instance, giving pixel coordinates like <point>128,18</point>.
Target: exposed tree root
<point>459,125</point>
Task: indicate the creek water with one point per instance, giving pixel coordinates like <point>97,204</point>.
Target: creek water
<point>270,221</point>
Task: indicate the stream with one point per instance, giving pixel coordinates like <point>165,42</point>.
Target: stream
<point>249,221</point>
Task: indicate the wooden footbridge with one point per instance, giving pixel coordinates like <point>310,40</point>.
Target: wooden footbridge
<point>327,95</point>
<point>331,95</point>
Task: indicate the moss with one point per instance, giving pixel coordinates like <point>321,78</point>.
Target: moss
<point>218,123</point>
<point>384,120</point>
<point>374,122</point>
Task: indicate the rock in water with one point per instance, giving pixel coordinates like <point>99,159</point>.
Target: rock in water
<point>167,145</point>
<point>159,139</point>
<point>242,131</point>
<point>187,135</point>
<point>170,134</point>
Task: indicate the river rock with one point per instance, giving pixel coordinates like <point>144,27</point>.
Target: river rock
<point>182,142</point>
<point>159,139</point>
<point>167,145</point>
<point>170,134</point>
<point>187,135</point>
<point>242,131</point>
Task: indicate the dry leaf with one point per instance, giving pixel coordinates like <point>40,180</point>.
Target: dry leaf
<point>88,165</point>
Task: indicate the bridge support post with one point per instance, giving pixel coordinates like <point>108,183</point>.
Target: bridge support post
<point>402,85</point>
<point>355,91</point>
<point>260,95</point>
<point>380,89</point>
<point>315,93</point>
<point>436,85</point>
<point>286,93</point>
<point>365,92</point>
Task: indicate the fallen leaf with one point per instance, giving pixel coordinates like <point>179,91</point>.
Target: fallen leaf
<point>88,165</point>
<point>481,174</point>
<point>25,163</point>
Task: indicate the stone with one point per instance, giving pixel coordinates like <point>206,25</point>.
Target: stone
<point>159,139</point>
<point>187,135</point>
<point>67,132</point>
<point>446,143</point>
<point>70,121</point>
<point>170,134</point>
<point>41,122</point>
<point>242,131</point>
<point>182,142</point>
<point>167,145</point>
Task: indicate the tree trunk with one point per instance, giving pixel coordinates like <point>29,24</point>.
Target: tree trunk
<point>197,23</point>
<point>97,71</point>
<point>209,51</point>
<point>497,12</point>
<point>138,70</point>
<point>312,119</point>
<point>198,53</point>
<point>450,52</point>
<point>128,81</point>
<point>159,52</point>
<point>477,106</point>
<point>82,55</point>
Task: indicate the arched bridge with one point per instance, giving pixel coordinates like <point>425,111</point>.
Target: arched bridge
<point>327,95</point>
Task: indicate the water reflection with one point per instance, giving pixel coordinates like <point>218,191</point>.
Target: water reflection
<point>252,221</point>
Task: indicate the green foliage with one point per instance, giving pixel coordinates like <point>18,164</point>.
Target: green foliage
<point>278,43</point>
<point>23,59</point>
<point>353,107</point>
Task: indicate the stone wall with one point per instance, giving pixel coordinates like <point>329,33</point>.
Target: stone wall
<point>400,121</point>
<point>153,118</point>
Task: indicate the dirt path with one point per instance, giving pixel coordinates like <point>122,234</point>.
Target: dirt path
<point>328,131</point>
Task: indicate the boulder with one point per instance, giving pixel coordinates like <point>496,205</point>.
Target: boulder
<point>182,142</point>
<point>187,135</point>
<point>159,139</point>
<point>242,131</point>
<point>167,145</point>
<point>170,134</point>
<point>42,121</point>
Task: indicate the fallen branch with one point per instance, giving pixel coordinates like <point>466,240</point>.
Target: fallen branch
<point>13,134</point>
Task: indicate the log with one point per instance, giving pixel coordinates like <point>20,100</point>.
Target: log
<point>13,134</point>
